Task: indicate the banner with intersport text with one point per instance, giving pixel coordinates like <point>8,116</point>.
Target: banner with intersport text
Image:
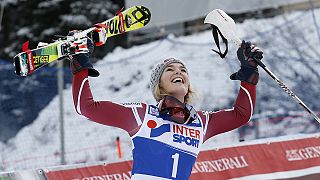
<point>296,158</point>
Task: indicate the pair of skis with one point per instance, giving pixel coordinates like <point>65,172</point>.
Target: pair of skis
<point>226,27</point>
<point>28,61</point>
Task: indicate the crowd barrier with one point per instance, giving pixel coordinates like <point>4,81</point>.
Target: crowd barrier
<point>293,157</point>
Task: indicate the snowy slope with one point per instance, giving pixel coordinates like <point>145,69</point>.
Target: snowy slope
<point>124,78</point>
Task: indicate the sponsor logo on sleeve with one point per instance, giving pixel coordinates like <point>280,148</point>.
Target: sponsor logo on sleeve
<point>131,104</point>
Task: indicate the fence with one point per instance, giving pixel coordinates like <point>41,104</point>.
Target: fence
<point>294,157</point>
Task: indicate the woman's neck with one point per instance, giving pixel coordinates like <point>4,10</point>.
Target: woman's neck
<point>180,98</point>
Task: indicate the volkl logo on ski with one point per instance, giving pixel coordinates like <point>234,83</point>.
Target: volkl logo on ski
<point>114,26</point>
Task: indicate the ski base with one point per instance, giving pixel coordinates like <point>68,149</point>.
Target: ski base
<point>27,62</point>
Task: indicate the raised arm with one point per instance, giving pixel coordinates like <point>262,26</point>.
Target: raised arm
<point>229,119</point>
<point>226,120</point>
<point>103,112</point>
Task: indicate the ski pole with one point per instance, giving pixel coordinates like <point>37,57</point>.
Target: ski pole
<point>227,28</point>
<point>281,84</point>
<point>286,89</point>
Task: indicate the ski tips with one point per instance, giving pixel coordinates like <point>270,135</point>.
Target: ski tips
<point>20,66</point>
<point>148,13</point>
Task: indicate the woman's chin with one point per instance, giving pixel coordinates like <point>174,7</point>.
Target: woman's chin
<point>181,91</point>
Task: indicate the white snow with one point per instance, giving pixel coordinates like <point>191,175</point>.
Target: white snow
<point>23,31</point>
<point>128,70</point>
<point>50,3</point>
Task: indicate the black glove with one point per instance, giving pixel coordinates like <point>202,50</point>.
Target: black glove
<point>249,71</point>
<point>81,61</point>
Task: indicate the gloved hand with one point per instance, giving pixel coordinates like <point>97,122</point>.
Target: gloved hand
<point>249,71</point>
<point>81,61</point>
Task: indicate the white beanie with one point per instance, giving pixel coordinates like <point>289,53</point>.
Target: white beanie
<point>158,70</point>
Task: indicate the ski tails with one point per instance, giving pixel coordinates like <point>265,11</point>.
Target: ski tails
<point>28,61</point>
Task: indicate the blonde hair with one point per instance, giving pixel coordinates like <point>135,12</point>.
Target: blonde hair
<point>158,94</point>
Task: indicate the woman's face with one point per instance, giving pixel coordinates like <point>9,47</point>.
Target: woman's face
<point>175,81</point>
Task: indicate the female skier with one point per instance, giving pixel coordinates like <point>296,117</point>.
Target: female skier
<point>168,136</point>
